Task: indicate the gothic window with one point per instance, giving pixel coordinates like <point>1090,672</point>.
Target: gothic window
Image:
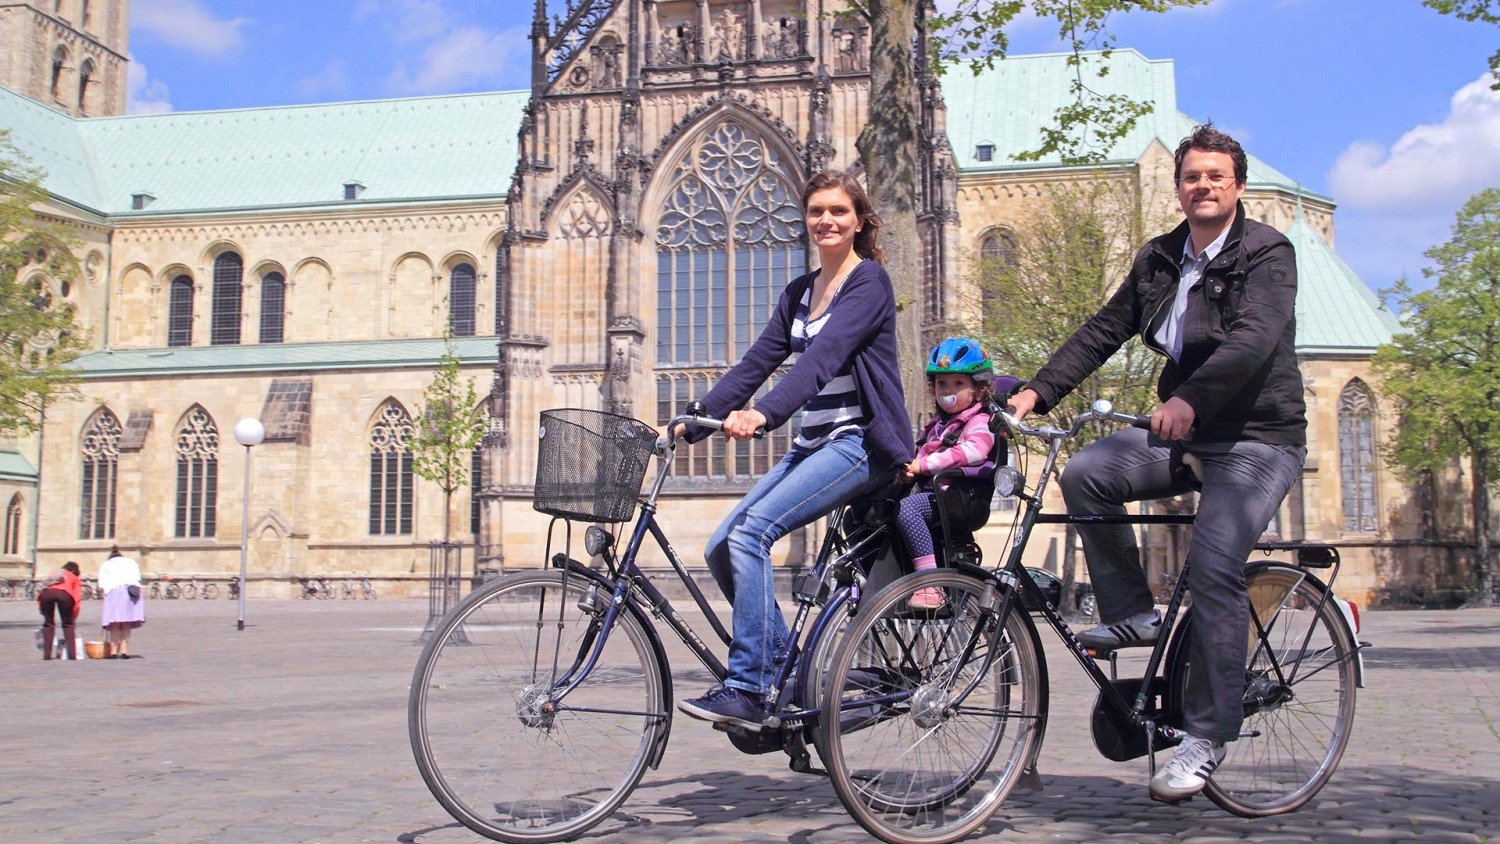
<point>59,61</point>
<point>13,518</point>
<point>391,483</point>
<point>729,239</point>
<point>229,273</point>
<point>502,281</point>
<point>272,308</point>
<point>197,475</point>
<point>476,480</point>
<point>101,459</point>
<point>461,300</point>
<point>180,312</point>
<point>83,15</point>
<point>932,277</point>
<point>997,255</point>
<point>85,73</point>
<point>1357,457</point>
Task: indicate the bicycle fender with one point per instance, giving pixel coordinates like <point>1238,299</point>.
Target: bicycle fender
<point>578,569</point>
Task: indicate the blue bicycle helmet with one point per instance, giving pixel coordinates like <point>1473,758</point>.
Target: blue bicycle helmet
<point>960,355</point>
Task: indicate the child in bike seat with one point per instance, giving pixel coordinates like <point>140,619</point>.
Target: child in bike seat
<point>959,374</point>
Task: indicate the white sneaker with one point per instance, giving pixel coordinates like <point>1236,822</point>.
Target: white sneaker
<point>1136,631</point>
<point>1188,770</point>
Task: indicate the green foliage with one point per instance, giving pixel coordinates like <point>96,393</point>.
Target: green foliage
<point>448,427</point>
<point>1480,11</point>
<point>1065,263</point>
<point>1085,129</point>
<point>39,337</point>
<point>1444,370</point>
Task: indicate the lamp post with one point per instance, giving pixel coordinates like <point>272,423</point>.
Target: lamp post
<point>248,432</point>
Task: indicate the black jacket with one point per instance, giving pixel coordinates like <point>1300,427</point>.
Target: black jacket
<point>1239,365</point>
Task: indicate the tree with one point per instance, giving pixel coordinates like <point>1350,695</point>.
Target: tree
<point>447,430</point>
<point>892,137</point>
<point>1037,286</point>
<point>1443,370</point>
<point>39,337</point>
<point>1482,11</point>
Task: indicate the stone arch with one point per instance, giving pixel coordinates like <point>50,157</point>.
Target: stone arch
<point>699,124</point>
<point>216,247</point>
<point>1357,458</point>
<point>582,212</point>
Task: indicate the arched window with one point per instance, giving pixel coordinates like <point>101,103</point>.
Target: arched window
<point>461,300</point>
<point>229,276</point>
<point>272,308</point>
<point>476,480</point>
<point>729,239</point>
<point>85,74</point>
<point>14,516</point>
<point>502,282</point>
<point>997,256</point>
<point>390,472</point>
<point>180,312</point>
<point>59,62</point>
<point>1357,458</point>
<point>101,457</point>
<point>197,475</point>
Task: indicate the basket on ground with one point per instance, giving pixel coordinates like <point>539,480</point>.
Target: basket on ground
<point>589,464</point>
<point>93,650</point>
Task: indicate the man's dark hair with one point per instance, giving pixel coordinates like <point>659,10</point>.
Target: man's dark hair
<point>1209,139</point>
<point>73,567</point>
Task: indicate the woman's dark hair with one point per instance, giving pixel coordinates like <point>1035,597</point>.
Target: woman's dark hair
<point>73,567</point>
<point>865,244</point>
<point>114,550</point>
<point>1209,139</point>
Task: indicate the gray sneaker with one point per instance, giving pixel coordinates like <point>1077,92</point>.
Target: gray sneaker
<point>1137,631</point>
<point>1188,770</point>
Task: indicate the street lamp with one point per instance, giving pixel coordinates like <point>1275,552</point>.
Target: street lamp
<point>248,432</point>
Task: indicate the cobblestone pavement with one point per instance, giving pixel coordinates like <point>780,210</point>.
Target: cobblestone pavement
<point>294,730</point>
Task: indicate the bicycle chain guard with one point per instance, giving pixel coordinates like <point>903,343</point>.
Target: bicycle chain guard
<point>1119,740</point>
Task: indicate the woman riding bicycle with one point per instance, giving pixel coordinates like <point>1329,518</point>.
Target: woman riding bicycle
<point>840,322</point>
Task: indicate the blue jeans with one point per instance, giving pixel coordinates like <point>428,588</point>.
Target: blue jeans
<point>804,486</point>
<point>1243,484</point>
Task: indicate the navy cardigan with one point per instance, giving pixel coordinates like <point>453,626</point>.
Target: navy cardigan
<point>861,328</point>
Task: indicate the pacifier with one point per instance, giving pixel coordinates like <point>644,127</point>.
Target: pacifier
<point>948,402</point>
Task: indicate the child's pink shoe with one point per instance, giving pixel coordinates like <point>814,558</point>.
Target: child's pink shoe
<point>927,598</point>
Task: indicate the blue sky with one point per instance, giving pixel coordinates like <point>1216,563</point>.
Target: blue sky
<point>1381,104</point>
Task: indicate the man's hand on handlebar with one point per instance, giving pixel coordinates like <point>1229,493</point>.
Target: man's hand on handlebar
<point>1173,420</point>
<point>1021,404</point>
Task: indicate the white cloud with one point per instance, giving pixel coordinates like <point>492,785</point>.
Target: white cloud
<point>1434,166</point>
<point>144,95</point>
<point>407,21</point>
<point>333,79</point>
<point>187,24</point>
<point>462,57</point>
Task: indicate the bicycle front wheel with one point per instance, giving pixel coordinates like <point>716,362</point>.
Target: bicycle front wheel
<point>1299,696</point>
<point>931,716</point>
<point>500,748</point>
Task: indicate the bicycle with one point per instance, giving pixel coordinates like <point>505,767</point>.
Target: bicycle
<point>346,588</point>
<point>584,684</point>
<point>366,588</point>
<point>915,678</point>
<point>234,588</point>
<point>316,587</point>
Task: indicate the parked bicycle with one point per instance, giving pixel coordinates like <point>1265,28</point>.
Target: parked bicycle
<point>565,669</point>
<point>366,588</point>
<point>316,587</point>
<point>930,700</point>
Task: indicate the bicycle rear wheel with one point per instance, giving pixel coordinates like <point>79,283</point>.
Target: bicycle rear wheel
<point>913,757</point>
<point>210,591</point>
<point>497,749</point>
<point>1299,696</point>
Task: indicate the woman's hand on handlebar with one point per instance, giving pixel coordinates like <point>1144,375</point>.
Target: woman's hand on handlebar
<point>1173,420</point>
<point>742,424</point>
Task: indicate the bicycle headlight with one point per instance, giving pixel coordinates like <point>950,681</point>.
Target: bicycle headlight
<point>595,540</point>
<point>1008,481</point>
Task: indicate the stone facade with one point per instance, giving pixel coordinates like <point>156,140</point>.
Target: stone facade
<point>67,54</point>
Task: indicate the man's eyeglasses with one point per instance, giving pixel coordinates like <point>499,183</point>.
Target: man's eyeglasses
<point>1213,180</point>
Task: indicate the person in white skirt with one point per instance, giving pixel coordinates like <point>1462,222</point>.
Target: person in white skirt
<point>124,602</point>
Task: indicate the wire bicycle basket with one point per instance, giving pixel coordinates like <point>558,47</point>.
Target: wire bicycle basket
<point>590,464</point>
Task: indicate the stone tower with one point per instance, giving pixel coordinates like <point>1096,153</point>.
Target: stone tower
<point>66,54</point>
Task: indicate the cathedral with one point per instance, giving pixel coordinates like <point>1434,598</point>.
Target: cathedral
<point>612,238</point>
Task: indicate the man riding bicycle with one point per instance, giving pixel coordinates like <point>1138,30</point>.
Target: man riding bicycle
<point>1216,296</point>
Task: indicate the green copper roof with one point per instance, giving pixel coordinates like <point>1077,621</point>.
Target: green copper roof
<point>282,357</point>
<point>14,467</point>
<point>1337,313</point>
<point>1007,106</point>
<point>424,148</point>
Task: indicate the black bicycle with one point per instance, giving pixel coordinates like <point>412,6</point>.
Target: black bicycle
<point>972,673</point>
<point>542,697</point>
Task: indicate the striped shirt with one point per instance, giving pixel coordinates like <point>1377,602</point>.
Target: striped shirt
<point>836,409</point>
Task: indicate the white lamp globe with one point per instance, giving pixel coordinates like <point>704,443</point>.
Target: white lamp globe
<point>249,431</point>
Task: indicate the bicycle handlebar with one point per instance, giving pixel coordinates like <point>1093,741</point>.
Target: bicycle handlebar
<point>1101,410</point>
<point>696,415</point>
